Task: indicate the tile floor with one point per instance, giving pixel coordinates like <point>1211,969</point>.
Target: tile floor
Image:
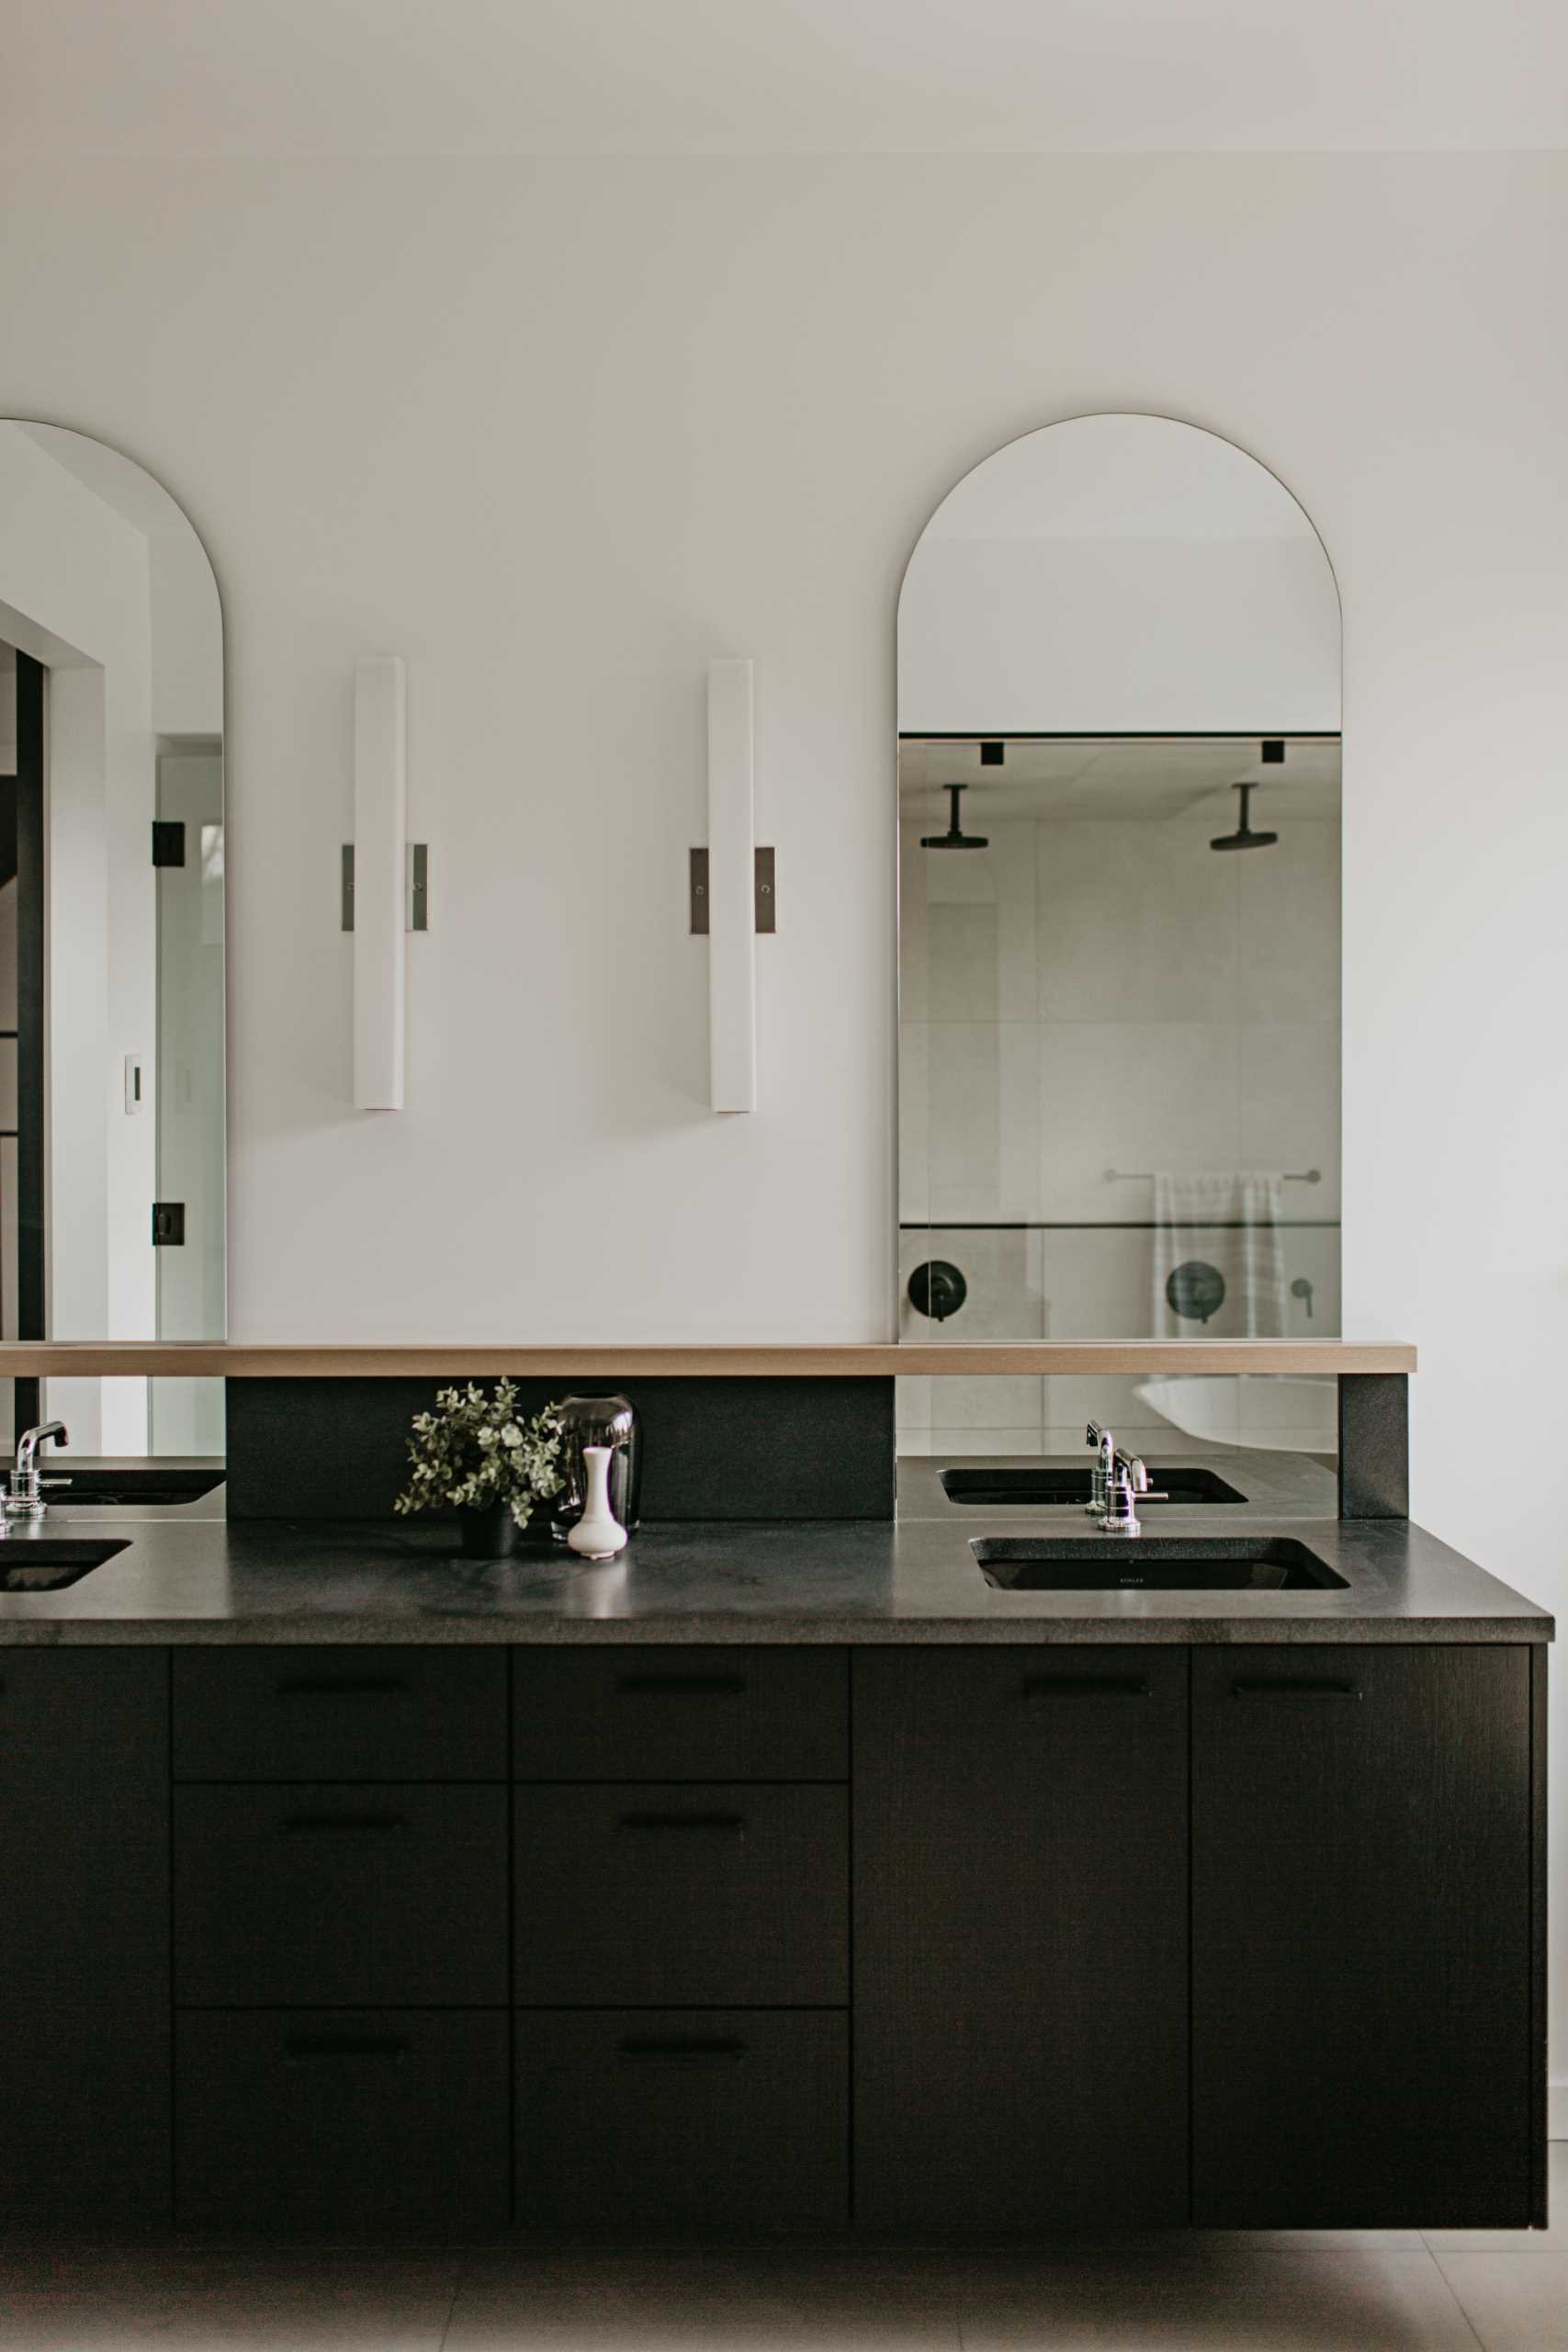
<point>1374,2291</point>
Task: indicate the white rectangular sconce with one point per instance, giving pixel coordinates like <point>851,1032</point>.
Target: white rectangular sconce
<point>732,973</point>
<point>381,880</point>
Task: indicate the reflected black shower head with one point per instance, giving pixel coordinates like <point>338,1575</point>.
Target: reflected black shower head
<point>955,837</point>
<point>1243,837</point>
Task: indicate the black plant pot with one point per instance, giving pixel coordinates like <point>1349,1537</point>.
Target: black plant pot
<point>487,1532</point>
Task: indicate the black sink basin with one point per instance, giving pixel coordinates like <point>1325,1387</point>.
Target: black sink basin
<point>1152,1564</point>
<point>129,1485</point>
<point>996,1489</point>
<point>46,1563</point>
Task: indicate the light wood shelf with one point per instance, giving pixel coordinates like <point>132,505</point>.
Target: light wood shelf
<point>93,1359</point>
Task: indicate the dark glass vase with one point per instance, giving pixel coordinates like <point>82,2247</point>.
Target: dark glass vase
<point>597,1421</point>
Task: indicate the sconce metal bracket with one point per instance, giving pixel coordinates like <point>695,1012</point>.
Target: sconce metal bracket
<point>763,900</point>
<point>416,911</point>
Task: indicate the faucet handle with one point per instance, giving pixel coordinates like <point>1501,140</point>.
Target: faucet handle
<point>1094,1435</point>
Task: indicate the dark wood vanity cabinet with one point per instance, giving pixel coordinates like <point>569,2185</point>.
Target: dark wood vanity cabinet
<point>762,1939</point>
<point>85,1936</point>
<point>1021,1937</point>
<point>1364,2050</point>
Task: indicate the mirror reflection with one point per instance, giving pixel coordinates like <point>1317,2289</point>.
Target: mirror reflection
<point>1119,779</point>
<point>112,1177</point>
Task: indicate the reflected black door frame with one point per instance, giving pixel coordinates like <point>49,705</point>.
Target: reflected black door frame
<point>30,1206</point>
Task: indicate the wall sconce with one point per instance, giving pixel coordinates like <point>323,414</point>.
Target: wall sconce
<point>380,880</point>
<point>732,890</point>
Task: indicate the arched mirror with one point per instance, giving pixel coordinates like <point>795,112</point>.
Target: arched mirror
<point>1118,778</point>
<point>112,1177</point>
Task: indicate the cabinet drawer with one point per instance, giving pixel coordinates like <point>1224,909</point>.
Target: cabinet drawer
<point>340,1892</point>
<point>342,2119</point>
<point>343,1714</point>
<point>671,1895</point>
<point>730,1714</point>
<point>683,2119</point>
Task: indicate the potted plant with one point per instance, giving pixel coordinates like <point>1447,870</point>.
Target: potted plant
<point>480,1454</point>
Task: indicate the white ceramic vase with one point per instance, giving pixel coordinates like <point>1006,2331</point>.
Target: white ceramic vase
<point>598,1534</point>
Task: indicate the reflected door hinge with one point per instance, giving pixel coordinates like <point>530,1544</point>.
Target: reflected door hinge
<point>168,1224</point>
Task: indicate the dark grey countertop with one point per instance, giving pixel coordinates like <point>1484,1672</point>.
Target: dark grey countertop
<point>187,1576</point>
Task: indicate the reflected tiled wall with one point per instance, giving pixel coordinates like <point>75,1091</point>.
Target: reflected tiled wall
<point>1093,993</point>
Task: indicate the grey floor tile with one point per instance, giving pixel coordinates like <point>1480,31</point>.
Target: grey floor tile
<point>1516,2302</point>
<point>1549,2241</point>
<point>719,2303</point>
<point>102,2299</point>
<point>1178,2244</point>
<point>1213,2300</point>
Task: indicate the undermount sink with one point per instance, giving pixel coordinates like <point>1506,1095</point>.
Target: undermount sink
<point>46,1563</point>
<point>1152,1564</point>
<point>993,1489</point>
<point>130,1484</point>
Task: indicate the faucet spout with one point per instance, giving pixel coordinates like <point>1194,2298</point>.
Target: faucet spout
<point>24,1496</point>
<point>29,1441</point>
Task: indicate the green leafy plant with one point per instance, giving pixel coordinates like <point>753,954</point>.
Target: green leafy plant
<point>474,1451</point>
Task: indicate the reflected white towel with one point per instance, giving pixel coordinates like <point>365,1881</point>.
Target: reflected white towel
<point>1225,1226</point>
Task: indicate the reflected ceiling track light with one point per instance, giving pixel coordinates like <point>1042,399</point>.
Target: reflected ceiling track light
<point>955,837</point>
<point>1273,752</point>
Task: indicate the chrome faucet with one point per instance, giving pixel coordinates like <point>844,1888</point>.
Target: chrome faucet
<point>23,1498</point>
<point>1118,1483</point>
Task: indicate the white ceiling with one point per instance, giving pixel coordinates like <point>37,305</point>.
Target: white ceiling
<point>1117,778</point>
<point>802,76</point>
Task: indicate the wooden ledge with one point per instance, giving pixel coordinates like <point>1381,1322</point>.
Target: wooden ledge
<point>140,1359</point>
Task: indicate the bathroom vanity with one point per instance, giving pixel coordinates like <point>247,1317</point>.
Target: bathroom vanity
<point>781,1878</point>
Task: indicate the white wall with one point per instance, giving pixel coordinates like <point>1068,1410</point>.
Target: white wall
<point>559,431</point>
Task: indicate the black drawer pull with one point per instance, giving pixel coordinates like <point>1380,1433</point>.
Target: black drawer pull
<point>680,2049</point>
<point>345,2045</point>
<point>342,1686</point>
<point>1298,1687</point>
<point>1085,1686</point>
<point>735,1823</point>
<point>681,1686</point>
<point>308,1823</point>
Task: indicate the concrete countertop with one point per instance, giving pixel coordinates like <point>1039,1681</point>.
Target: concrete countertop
<point>189,1577</point>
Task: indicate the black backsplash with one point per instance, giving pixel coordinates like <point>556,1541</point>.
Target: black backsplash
<point>1374,1445</point>
<point>711,1449</point>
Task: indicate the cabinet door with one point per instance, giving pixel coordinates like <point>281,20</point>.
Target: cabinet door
<point>1021,1937</point>
<point>84,1935</point>
<point>1361,1952</point>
